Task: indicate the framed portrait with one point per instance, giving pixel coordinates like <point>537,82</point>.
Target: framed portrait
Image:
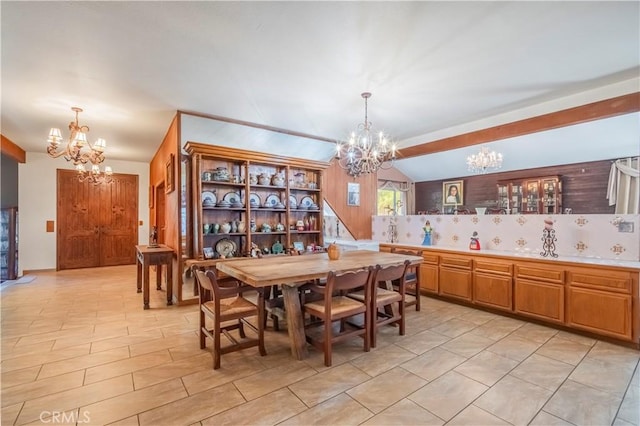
<point>452,193</point>
<point>298,245</point>
<point>169,179</point>
<point>207,252</point>
<point>353,194</point>
<point>152,196</point>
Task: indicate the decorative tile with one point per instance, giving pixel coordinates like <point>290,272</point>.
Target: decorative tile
<point>581,246</point>
<point>522,220</point>
<point>617,249</point>
<point>581,221</point>
<point>521,242</point>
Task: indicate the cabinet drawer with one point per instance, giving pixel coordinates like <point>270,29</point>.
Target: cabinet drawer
<point>493,267</point>
<point>549,274</point>
<point>456,262</point>
<point>607,280</point>
<point>430,258</point>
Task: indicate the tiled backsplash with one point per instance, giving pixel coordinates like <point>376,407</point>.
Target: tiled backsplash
<point>589,235</point>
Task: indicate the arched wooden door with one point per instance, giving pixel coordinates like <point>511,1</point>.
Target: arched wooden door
<point>97,224</point>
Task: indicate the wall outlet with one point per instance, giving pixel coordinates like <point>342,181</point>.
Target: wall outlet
<point>625,227</point>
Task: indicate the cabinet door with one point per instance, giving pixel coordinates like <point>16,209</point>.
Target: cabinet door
<point>539,299</point>
<point>429,278</point>
<point>531,197</point>
<point>492,290</point>
<point>600,312</point>
<point>455,283</point>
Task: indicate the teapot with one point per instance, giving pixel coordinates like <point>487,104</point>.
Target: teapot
<point>266,227</point>
<point>253,179</point>
<point>277,180</point>
<point>264,179</point>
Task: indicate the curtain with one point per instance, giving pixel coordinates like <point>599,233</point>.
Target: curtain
<point>406,187</point>
<point>624,189</point>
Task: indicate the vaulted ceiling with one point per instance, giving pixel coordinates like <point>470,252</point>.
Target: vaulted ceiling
<point>435,69</point>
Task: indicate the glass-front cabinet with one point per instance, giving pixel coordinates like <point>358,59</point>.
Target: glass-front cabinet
<point>541,195</point>
<point>248,203</point>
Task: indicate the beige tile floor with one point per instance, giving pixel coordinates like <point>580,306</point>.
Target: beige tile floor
<point>77,348</point>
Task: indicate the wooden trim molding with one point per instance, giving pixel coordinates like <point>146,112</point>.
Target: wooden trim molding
<point>594,111</point>
<point>12,150</point>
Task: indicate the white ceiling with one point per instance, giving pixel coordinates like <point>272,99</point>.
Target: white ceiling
<point>435,69</point>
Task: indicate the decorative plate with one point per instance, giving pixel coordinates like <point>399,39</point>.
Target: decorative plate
<point>209,198</point>
<point>271,201</point>
<point>306,202</point>
<point>293,203</point>
<point>232,198</point>
<point>226,247</point>
<point>254,199</point>
<point>277,248</point>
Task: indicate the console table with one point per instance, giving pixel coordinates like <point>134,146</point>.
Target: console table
<point>147,256</point>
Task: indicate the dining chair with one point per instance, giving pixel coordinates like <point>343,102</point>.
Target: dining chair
<point>221,302</point>
<point>387,306</point>
<point>335,306</point>
<point>412,279</point>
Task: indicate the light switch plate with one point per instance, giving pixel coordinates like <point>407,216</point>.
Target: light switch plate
<point>625,227</point>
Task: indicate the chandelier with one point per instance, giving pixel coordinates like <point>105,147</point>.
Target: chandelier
<point>94,176</point>
<point>365,151</point>
<point>484,161</point>
<point>77,149</point>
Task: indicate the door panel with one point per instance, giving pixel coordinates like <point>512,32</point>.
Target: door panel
<point>119,214</point>
<point>78,230</point>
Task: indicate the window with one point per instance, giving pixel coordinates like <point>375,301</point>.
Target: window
<point>388,199</point>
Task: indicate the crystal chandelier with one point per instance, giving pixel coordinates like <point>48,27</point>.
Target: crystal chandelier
<point>94,176</point>
<point>365,151</point>
<point>484,161</point>
<point>74,151</point>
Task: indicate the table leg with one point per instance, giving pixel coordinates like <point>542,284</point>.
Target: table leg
<point>159,276</point>
<point>170,282</point>
<point>145,286</point>
<point>295,322</point>
<point>139,275</point>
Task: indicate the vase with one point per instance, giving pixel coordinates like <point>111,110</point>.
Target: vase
<point>333,251</point>
<point>241,226</point>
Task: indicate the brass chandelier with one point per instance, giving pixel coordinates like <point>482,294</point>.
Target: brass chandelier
<point>79,151</point>
<point>366,151</point>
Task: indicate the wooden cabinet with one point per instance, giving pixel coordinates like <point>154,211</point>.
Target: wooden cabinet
<point>455,277</point>
<point>600,301</point>
<point>539,292</point>
<point>246,201</point>
<point>9,243</point>
<point>492,283</point>
<point>534,195</point>
<point>429,273</point>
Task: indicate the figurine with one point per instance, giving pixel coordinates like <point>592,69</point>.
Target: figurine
<point>153,237</point>
<point>427,234</point>
<point>475,242</point>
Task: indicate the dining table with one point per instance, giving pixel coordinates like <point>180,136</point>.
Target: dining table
<point>292,271</point>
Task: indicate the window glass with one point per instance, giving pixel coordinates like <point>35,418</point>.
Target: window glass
<point>391,199</point>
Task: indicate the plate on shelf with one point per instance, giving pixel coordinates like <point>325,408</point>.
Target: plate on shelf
<point>232,198</point>
<point>254,199</point>
<point>306,202</point>
<point>272,201</point>
<point>226,247</point>
<point>209,199</point>
<point>293,203</point>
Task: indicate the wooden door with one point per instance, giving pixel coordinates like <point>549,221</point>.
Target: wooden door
<point>118,220</point>
<point>97,224</point>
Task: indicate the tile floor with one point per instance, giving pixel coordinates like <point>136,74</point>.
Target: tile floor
<point>77,348</point>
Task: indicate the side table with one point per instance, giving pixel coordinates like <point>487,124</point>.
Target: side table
<point>147,256</point>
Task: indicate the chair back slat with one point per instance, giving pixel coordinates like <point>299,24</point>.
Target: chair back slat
<point>392,273</point>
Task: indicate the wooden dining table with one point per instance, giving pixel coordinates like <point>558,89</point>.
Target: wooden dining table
<point>293,271</point>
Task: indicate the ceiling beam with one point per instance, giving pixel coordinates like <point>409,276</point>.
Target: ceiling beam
<point>12,150</point>
<point>594,111</point>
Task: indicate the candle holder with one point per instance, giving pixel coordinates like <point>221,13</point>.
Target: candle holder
<point>549,243</point>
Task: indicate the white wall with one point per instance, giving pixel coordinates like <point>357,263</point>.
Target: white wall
<point>37,205</point>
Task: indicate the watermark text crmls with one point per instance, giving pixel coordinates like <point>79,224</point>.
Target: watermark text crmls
<point>54,417</point>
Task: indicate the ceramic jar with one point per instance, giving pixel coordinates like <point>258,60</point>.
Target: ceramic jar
<point>277,180</point>
<point>241,226</point>
<point>264,179</point>
<point>225,228</point>
<point>253,179</point>
<point>333,251</point>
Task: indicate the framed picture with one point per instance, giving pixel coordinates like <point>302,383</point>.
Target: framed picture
<point>298,245</point>
<point>207,252</point>
<point>452,193</point>
<point>169,174</point>
<point>152,196</point>
<point>353,194</point>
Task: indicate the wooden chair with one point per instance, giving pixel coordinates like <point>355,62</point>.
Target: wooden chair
<point>412,279</point>
<point>336,306</point>
<point>433,211</point>
<point>223,302</point>
<point>496,211</point>
<point>383,301</point>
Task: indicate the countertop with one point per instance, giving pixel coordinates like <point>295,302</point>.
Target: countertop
<point>528,254</point>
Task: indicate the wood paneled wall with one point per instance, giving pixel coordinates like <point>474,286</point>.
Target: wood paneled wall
<point>584,187</point>
<point>357,219</point>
